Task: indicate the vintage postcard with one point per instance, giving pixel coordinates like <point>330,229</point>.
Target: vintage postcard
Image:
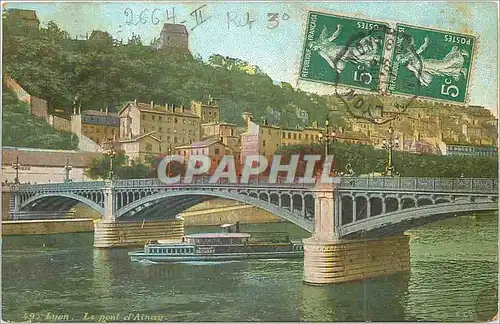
<point>249,161</point>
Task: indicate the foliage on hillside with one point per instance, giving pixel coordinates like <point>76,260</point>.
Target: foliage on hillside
<point>102,72</point>
<point>366,159</point>
<point>21,129</point>
<point>124,170</point>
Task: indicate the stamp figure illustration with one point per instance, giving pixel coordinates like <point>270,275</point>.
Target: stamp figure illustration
<point>343,51</point>
<point>438,62</point>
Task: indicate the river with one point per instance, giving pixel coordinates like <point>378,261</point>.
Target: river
<point>49,278</point>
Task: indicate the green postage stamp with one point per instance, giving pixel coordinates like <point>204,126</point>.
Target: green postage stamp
<point>435,64</point>
<point>372,56</point>
<point>343,51</point>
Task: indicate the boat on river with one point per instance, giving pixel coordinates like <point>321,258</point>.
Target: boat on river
<point>225,246</point>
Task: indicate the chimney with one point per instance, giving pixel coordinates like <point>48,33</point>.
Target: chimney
<point>182,108</point>
<point>135,102</point>
<point>151,105</point>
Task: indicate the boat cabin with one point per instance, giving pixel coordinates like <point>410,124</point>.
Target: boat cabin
<point>217,238</point>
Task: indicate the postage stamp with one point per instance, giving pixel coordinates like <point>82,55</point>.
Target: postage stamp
<point>343,51</point>
<point>435,64</point>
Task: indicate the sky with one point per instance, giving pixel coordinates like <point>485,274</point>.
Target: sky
<point>241,30</point>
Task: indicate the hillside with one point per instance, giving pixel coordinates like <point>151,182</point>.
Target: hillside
<point>99,73</point>
<point>20,128</point>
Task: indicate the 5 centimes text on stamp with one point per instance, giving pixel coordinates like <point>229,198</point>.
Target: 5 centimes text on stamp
<point>439,67</point>
<point>343,51</point>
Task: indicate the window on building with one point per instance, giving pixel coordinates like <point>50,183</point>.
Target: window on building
<point>289,135</point>
<point>143,117</point>
<point>216,151</point>
<point>175,140</point>
<point>175,120</point>
<point>160,118</point>
<point>153,117</point>
<point>160,129</point>
<point>97,130</point>
<point>294,136</point>
<point>210,113</point>
<point>149,147</point>
<point>300,136</point>
<point>264,143</point>
<point>269,132</point>
<point>283,135</point>
<point>169,119</point>
<point>184,121</point>
<point>307,136</point>
<point>190,132</point>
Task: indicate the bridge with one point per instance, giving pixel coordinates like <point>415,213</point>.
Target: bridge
<point>357,224</point>
<point>373,207</point>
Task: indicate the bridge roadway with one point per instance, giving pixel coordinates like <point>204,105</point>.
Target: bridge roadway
<point>372,207</point>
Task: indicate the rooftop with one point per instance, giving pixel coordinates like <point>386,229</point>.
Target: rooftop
<point>24,14</point>
<point>47,158</point>
<point>203,143</point>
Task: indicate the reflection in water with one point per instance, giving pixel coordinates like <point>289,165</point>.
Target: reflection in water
<point>381,299</point>
<point>453,276</point>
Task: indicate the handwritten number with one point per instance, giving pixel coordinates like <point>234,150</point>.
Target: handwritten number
<point>143,18</point>
<point>272,18</point>
<point>168,16</point>
<point>128,12</point>
<point>153,20</point>
<point>285,16</point>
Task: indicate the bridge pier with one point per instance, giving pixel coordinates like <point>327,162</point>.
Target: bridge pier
<point>329,259</point>
<point>109,234</point>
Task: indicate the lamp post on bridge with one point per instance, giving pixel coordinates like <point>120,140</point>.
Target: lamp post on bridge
<point>389,145</point>
<point>327,137</point>
<point>67,169</point>
<point>16,167</point>
<point>111,154</point>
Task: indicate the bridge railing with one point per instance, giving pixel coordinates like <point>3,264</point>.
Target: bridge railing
<point>474,185</point>
<point>61,186</point>
<point>204,180</point>
<point>471,185</point>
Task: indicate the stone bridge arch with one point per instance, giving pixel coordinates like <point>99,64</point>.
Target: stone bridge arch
<point>65,200</point>
<point>415,217</point>
<point>289,215</point>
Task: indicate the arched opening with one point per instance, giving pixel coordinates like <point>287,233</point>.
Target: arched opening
<point>274,199</point>
<point>407,203</point>
<point>309,202</point>
<point>285,201</point>
<point>297,202</point>
<point>361,210</point>
<point>424,202</point>
<point>263,196</point>
<point>253,194</point>
<point>441,201</point>
<point>375,206</point>
<point>391,204</point>
<point>346,209</point>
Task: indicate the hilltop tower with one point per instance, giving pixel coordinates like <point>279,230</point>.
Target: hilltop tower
<point>172,36</point>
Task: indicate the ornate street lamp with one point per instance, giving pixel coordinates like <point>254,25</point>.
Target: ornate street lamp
<point>389,145</point>
<point>67,168</point>
<point>16,167</point>
<point>327,137</point>
<point>111,153</point>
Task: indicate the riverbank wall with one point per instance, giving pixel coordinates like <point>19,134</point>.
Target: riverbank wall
<point>47,226</point>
